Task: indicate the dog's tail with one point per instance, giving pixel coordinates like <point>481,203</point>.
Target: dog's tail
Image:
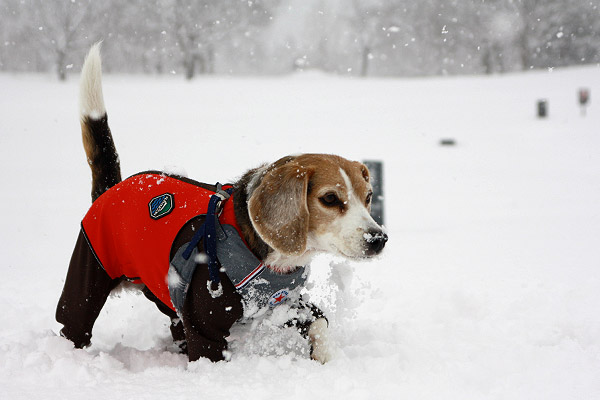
<point>97,140</point>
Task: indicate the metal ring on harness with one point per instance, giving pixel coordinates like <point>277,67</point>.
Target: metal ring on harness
<point>214,293</point>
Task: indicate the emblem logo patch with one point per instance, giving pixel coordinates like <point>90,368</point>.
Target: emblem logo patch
<point>161,205</point>
<point>278,297</point>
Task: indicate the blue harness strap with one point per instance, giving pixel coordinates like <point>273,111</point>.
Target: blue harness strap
<point>208,232</point>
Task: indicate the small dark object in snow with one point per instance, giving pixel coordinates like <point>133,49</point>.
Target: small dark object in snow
<point>447,142</point>
<point>584,98</point>
<point>542,108</point>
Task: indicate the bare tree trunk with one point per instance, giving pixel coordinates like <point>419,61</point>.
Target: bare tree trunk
<point>210,60</point>
<point>499,58</point>
<point>487,61</point>
<point>60,65</point>
<point>526,9</point>
<point>524,49</point>
<point>366,59</point>
<point>189,64</point>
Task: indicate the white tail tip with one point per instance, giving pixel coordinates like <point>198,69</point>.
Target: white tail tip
<point>91,101</point>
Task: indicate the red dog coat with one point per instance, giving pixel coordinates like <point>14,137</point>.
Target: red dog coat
<point>131,227</point>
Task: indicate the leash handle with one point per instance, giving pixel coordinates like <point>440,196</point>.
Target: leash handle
<point>210,239</point>
<point>208,232</point>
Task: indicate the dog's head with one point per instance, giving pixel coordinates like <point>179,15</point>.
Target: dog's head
<point>315,202</point>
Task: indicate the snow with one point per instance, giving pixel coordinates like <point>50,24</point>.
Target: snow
<point>487,288</point>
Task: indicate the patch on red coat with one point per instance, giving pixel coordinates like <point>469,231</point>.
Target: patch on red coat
<point>161,205</point>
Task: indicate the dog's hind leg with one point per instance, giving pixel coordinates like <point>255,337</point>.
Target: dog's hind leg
<point>97,139</point>
<point>86,289</point>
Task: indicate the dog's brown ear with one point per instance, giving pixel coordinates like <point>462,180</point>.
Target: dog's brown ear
<point>278,207</point>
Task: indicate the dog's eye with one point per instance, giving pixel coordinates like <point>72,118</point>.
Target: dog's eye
<point>369,197</point>
<point>330,200</point>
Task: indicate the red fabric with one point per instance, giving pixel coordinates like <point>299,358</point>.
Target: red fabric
<point>127,241</point>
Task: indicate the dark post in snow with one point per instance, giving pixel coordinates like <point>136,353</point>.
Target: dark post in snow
<point>376,170</point>
<point>584,98</point>
<point>542,108</point>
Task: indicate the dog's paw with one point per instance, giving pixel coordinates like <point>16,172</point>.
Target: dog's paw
<point>322,350</point>
<point>321,354</point>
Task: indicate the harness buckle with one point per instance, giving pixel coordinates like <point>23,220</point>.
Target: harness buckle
<point>222,194</point>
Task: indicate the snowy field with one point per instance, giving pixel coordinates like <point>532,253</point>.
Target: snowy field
<point>489,287</point>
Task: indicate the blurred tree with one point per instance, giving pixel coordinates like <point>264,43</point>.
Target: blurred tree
<point>138,36</point>
<point>60,25</point>
<point>498,28</point>
<point>369,28</point>
<point>557,32</point>
<point>527,11</point>
<point>12,27</point>
<point>242,45</point>
<point>568,33</point>
<point>201,26</point>
<point>362,37</point>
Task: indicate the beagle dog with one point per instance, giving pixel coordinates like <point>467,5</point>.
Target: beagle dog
<point>281,214</point>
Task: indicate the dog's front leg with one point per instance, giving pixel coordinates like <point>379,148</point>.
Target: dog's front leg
<point>312,325</point>
<point>319,341</point>
<point>207,319</point>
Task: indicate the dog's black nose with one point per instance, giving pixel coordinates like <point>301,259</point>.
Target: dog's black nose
<point>375,241</point>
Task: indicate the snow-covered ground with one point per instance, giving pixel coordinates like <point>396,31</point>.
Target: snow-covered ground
<point>489,287</point>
